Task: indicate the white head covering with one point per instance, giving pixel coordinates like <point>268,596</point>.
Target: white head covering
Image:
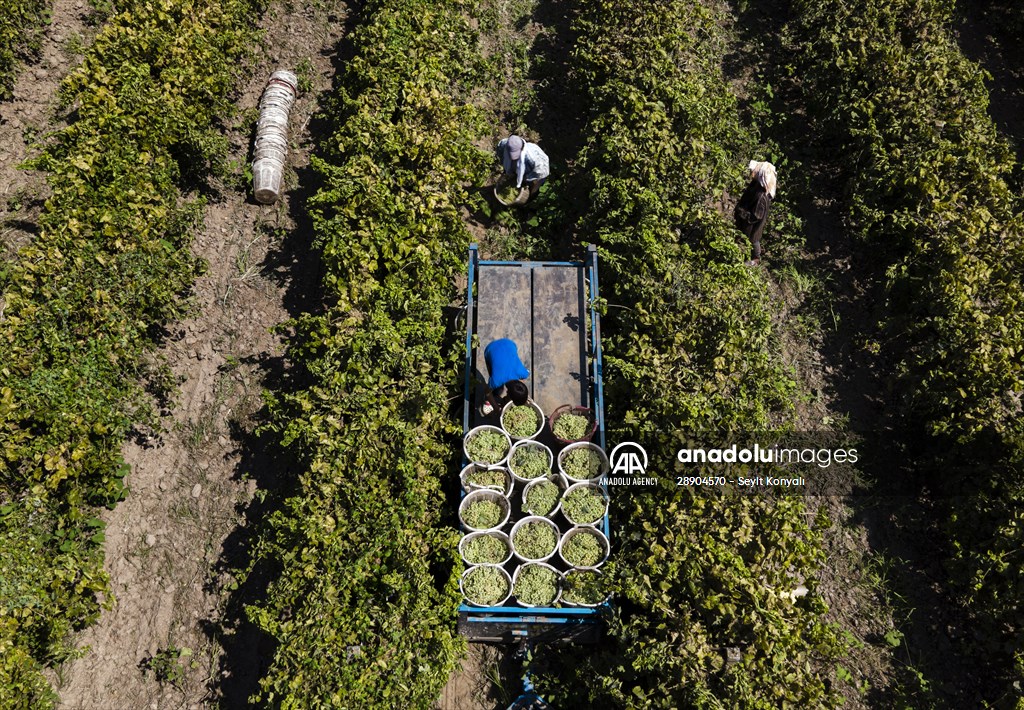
<point>765,174</point>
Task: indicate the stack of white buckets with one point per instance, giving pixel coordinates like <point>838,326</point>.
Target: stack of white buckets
<point>272,136</point>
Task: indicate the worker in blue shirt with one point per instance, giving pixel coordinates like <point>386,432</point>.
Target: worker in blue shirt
<point>506,374</point>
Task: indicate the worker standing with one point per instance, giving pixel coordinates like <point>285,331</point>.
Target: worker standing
<point>753,206</point>
<point>524,161</point>
<point>506,374</point>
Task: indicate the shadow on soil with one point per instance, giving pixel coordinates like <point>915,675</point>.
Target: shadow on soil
<point>296,267</point>
<point>932,665</point>
<point>989,34</point>
<point>559,115</point>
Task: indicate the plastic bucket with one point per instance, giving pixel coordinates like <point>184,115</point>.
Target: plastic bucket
<point>529,521</point>
<point>271,134</point>
<point>269,153</point>
<point>271,147</point>
<point>470,487</point>
<point>495,496</point>
<point>529,444</point>
<point>466,539</point>
<point>473,570</point>
<point>574,409</point>
<point>266,181</point>
<point>271,130</point>
<point>520,199</point>
<point>274,136</point>
<point>482,428</point>
<point>604,466</point>
<point>556,478</point>
<point>286,78</point>
<point>606,548</point>
<point>559,583</point>
<point>585,485</point>
<point>567,579</point>
<point>541,419</point>
<point>274,149</point>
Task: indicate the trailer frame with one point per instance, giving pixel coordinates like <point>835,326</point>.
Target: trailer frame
<point>515,624</point>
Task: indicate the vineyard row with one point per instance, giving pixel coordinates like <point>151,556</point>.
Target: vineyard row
<point>85,301</point>
<point>696,351</point>
<point>930,195</point>
<point>21,23</point>
<point>365,569</point>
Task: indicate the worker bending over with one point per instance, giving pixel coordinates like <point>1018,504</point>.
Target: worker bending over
<point>506,374</point>
<point>524,161</point>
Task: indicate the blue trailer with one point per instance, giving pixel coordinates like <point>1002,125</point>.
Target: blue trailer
<point>548,309</point>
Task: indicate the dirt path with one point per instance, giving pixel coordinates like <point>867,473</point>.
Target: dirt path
<point>30,114</point>
<point>986,37</point>
<point>513,39</point>
<point>824,319</point>
<point>160,646</point>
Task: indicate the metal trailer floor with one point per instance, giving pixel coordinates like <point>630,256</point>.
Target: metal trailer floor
<point>541,307</point>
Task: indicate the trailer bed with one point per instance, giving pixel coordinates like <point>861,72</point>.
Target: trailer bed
<point>540,306</point>
<point>547,309</point>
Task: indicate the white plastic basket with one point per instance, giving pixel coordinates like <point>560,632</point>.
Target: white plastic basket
<point>470,487</point>
<point>266,180</point>
<point>495,496</point>
<point>594,487</point>
<point>271,147</point>
<point>489,533</point>
<point>541,419</point>
<point>534,520</point>
<point>486,427</point>
<point>585,530</point>
<point>605,466</point>
<point>559,583</point>
<point>528,443</point>
<point>472,570</point>
<point>556,478</point>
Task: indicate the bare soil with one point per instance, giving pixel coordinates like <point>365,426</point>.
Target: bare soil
<point>166,544</point>
<point>484,681</point>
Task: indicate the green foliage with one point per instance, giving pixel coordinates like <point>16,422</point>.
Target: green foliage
<point>21,24</point>
<point>85,299</point>
<point>167,664</point>
<point>22,683</point>
<point>585,587</point>
<point>691,348</point>
<point>362,553</point>
<point>930,195</point>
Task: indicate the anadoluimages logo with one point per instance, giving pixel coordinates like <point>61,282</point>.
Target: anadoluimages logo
<point>628,458</point>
